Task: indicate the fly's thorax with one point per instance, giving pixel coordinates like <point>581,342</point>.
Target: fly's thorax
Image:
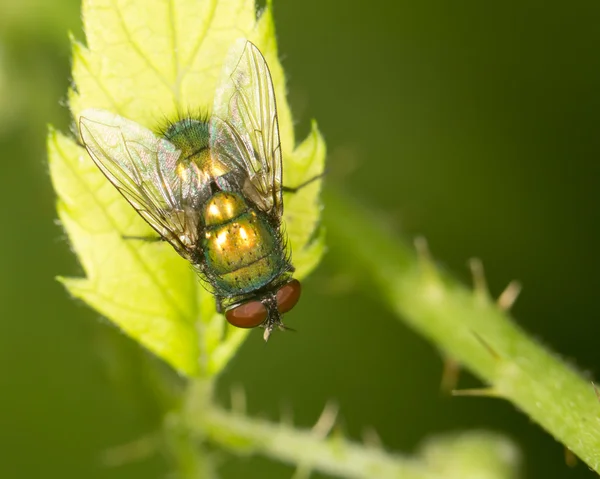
<point>191,137</point>
<point>188,135</point>
<point>242,250</point>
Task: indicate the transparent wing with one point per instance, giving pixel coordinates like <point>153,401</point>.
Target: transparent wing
<point>147,172</point>
<point>244,128</point>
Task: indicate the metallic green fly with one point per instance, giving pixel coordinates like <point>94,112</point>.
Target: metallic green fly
<point>212,189</point>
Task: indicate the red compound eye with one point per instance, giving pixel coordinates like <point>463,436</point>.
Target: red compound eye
<point>247,315</point>
<point>288,295</point>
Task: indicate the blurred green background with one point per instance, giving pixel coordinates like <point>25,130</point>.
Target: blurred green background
<point>472,123</point>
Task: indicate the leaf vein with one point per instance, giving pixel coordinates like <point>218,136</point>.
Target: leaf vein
<point>201,38</point>
<point>137,49</point>
<point>175,50</point>
<point>100,84</point>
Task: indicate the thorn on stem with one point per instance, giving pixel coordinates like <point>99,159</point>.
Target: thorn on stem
<point>570,458</point>
<point>477,392</point>
<point>302,472</point>
<point>487,346</point>
<point>480,286</point>
<point>423,249</point>
<point>450,373</point>
<point>426,262</point>
<point>287,414</point>
<point>424,254</point>
<point>371,438</point>
<point>507,298</point>
<point>326,420</point>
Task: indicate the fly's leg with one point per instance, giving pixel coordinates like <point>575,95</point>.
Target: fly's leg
<point>147,239</point>
<point>295,189</point>
<point>219,305</point>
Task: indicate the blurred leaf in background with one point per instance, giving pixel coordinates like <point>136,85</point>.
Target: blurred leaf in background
<point>473,123</point>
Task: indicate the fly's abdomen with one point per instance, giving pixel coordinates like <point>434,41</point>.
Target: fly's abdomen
<point>241,249</point>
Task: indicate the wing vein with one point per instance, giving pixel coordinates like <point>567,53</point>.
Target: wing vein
<point>133,251</point>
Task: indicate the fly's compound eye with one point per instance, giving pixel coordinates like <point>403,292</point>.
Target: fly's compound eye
<point>288,295</point>
<point>247,315</point>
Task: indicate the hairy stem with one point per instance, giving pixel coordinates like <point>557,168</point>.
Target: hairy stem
<point>469,326</point>
<point>462,456</point>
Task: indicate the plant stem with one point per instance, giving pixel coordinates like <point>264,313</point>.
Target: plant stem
<point>463,456</point>
<point>469,326</point>
<point>188,458</point>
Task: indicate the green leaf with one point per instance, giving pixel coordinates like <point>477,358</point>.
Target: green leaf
<point>147,60</point>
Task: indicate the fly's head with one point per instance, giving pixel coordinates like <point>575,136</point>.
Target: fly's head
<point>265,309</point>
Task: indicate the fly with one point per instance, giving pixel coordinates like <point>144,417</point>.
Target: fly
<point>212,189</point>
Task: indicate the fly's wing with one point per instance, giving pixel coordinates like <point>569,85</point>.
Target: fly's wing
<point>243,128</point>
<point>147,172</point>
